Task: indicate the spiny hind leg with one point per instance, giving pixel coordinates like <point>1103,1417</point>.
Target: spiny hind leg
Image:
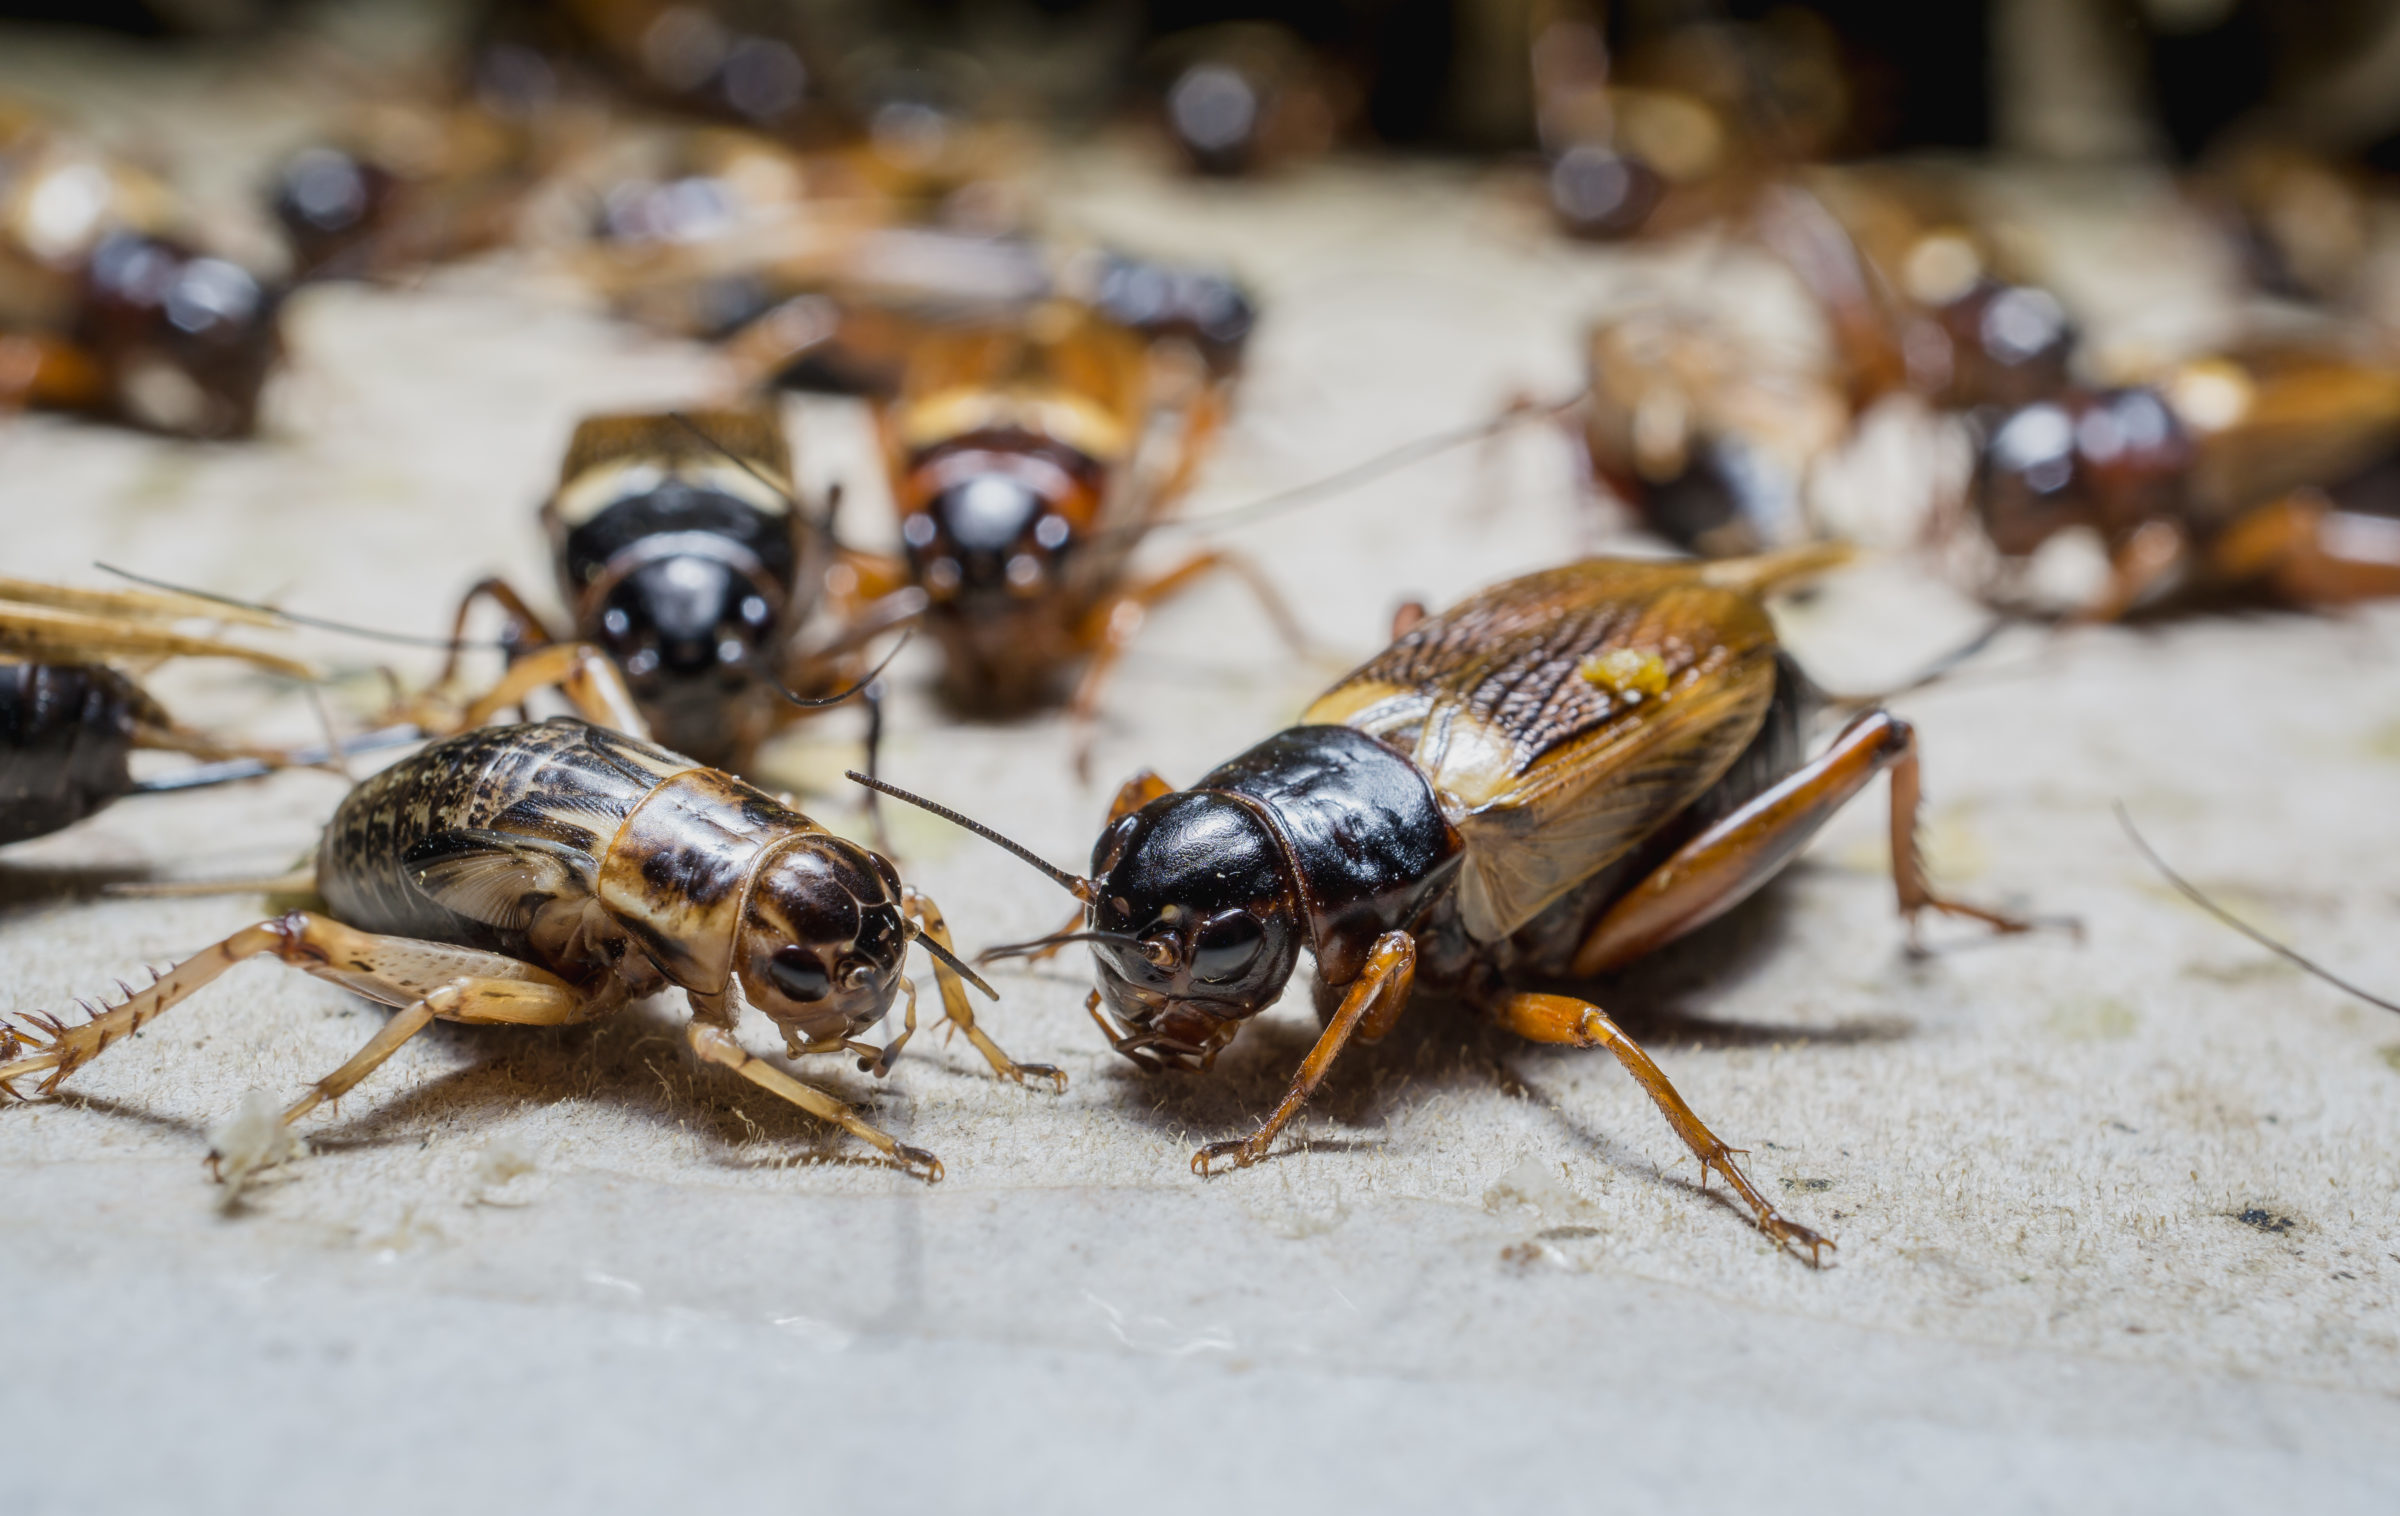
<point>426,980</point>
<point>958,1009</point>
<point>716,1044</point>
<point>1564,1020</point>
<point>1725,864</point>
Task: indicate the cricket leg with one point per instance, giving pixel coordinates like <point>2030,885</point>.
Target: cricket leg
<point>62,1049</point>
<point>398,971</point>
<point>956,1008</point>
<point>2137,566</point>
<point>1373,1002</point>
<point>518,998</point>
<point>1725,864</point>
<point>716,1044</point>
<point>522,631</point>
<point>577,670</point>
<point>1564,1020</point>
<point>2312,553</point>
<point>1112,626</point>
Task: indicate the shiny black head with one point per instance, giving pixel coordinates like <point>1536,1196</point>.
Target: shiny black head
<point>990,538</point>
<point>2110,460</point>
<point>1216,111</point>
<point>1602,194</point>
<point>2028,482</point>
<point>1210,310</point>
<point>188,338</point>
<point>2011,344</point>
<point>1202,910</point>
<point>331,204</point>
<point>691,630</point>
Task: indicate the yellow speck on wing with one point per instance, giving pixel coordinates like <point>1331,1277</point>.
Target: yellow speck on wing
<point>1626,671</point>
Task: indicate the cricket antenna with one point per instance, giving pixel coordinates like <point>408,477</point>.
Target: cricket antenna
<point>1075,885</point>
<point>924,939</point>
<point>295,618</point>
<point>1044,944</point>
<point>2192,893</point>
<point>824,526</point>
<point>813,702</point>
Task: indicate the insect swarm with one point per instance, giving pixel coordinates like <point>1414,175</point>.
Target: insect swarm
<point>1541,784</point>
<point>546,874</point>
<point>69,720</point>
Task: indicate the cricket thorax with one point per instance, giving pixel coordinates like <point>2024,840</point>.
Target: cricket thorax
<point>676,873</point>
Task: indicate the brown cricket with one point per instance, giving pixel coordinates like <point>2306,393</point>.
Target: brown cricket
<point>550,873</point>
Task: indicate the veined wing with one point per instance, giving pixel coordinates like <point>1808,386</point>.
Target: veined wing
<point>1564,716</point>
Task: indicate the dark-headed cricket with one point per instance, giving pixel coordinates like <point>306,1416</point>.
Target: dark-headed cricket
<point>1029,459</point>
<point>549,873</point>
<point>105,304</point>
<point>685,558</point>
<point>1543,783</point>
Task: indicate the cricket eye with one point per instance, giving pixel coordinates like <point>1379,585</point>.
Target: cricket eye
<point>1226,946</point>
<point>798,975</point>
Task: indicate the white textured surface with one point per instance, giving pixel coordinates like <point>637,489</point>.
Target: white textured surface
<point>558,1268</point>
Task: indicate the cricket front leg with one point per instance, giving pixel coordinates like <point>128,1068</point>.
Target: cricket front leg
<point>1564,1020</point>
<point>716,1044</point>
<point>1725,864</point>
<point>957,1009</point>
<point>1373,1001</point>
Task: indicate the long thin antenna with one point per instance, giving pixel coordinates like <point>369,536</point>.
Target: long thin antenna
<point>1392,460</point>
<point>200,776</point>
<point>2192,893</point>
<point>409,639</point>
<point>1073,884</point>
<point>1043,944</point>
<point>823,528</point>
<point>817,701</point>
<point>958,966</point>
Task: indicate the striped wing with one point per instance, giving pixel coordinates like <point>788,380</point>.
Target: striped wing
<point>1564,716</point>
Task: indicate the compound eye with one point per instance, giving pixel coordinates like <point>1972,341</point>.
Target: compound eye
<point>1226,946</point>
<point>799,975</point>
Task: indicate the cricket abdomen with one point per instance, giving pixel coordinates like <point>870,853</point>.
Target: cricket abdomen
<point>561,787</point>
<point>65,731</point>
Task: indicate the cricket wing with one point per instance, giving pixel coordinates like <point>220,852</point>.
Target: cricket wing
<point>1565,716</point>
